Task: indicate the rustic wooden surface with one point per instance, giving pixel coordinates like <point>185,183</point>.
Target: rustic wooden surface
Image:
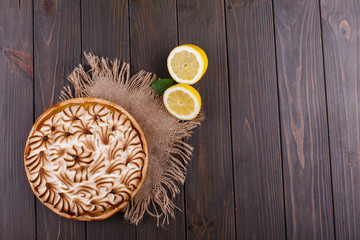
<point>255,123</point>
<point>16,92</point>
<point>305,145</point>
<point>278,154</point>
<point>340,25</point>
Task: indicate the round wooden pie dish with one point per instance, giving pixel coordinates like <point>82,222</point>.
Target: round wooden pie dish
<point>86,158</point>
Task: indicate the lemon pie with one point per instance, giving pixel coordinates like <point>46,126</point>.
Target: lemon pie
<point>85,158</point>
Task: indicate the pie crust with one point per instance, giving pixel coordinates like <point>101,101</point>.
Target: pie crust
<point>85,158</point>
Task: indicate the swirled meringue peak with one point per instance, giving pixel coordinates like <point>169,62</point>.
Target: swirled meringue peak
<point>85,158</point>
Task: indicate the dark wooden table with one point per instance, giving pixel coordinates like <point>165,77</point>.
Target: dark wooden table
<point>276,158</point>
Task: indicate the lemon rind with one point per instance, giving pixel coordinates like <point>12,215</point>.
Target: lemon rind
<point>198,57</point>
<point>182,117</point>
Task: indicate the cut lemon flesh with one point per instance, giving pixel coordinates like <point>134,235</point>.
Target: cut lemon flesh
<point>187,63</point>
<point>182,101</point>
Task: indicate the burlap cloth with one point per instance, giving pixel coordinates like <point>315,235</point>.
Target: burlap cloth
<point>168,153</point>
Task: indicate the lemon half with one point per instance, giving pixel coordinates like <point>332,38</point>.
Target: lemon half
<point>187,63</point>
<point>182,101</point>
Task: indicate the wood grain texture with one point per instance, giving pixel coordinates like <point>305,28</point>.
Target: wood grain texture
<point>153,34</point>
<point>209,187</point>
<point>255,120</point>
<point>105,32</point>
<point>57,51</point>
<point>340,25</point>
<point>114,227</point>
<point>238,146</point>
<point>17,206</point>
<point>305,146</point>
<point>105,28</point>
<point>175,230</point>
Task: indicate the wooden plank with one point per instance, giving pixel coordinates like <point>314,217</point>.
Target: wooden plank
<point>105,32</point>
<point>57,51</point>
<point>209,188</point>
<point>255,121</point>
<point>306,163</point>
<point>153,34</point>
<point>105,28</point>
<point>340,23</point>
<point>114,227</point>
<point>17,214</point>
<point>147,229</point>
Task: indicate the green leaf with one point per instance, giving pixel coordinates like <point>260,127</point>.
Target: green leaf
<point>162,84</point>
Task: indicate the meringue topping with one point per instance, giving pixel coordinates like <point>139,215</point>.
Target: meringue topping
<point>85,160</point>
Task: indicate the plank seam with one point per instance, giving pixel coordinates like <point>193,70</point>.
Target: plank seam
<point>81,30</point>
<point>230,118</point>
<point>33,65</point>
<point>279,116</point>
<point>129,40</point>
<point>327,118</point>
<point>81,49</point>
<point>183,187</point>
<point>129,33</point>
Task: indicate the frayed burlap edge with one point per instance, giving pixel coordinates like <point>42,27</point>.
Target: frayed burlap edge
<point>159,203</point>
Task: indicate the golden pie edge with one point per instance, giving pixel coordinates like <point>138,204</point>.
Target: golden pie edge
<point>54,109</point>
